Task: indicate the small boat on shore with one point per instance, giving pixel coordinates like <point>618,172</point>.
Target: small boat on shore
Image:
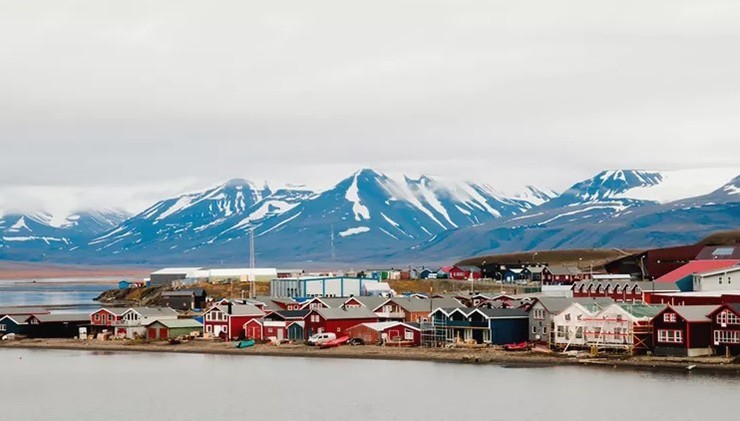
<point>245,344</point>
<point>334,343</point>
<point>521,346</point>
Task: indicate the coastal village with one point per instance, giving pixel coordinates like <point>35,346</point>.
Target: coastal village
<point>670,302</point>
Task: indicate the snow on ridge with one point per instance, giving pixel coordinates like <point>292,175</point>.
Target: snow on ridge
<point>682,184</point>
<point>19,225</point>
<point>354,231</point>
<point>353,196</point>
<point>182,203</point>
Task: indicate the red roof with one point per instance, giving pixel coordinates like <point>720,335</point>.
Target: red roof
<point>696,266</point>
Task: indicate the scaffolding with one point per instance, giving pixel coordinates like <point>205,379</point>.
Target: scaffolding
<point>433,333</point>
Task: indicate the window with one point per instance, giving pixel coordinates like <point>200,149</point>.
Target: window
<point>670,336</point>
<point>544,330</point>
<point>567,317</point>
<point>726,337</point>
<point>727,317</point>
<point>534,329</point>
<point>579,332</point>
<point>539,314</point>
<point>561,331</point>
<point>3,328</point>
<point>669,317</point>
<point>408,335</point>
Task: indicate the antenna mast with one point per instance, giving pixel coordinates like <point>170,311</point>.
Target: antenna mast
<point>332,243</point>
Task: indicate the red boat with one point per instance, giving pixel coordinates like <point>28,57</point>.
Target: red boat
<point>335,342</point>
<point>521,346</point>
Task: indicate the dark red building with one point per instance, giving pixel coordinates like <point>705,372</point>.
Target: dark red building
<point>621,291</point>
<point>228,320</point>
<point>654,263</point>
<point>684,331</point>
<point>337,320</point>
<point>726,329</point>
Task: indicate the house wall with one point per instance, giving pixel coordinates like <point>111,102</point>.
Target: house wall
<point>722,347</point>
<point>723,281</point>
<point>370,336</point>
<point>334,326</point>
<point>506,331</point>
<point>103,318</point>
<point>178,302</point>
<point>399,333</point>
<point>540,323</point>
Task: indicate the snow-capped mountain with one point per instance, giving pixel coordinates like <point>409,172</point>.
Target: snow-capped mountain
<point>623,208</point>
<point>33,234</point>
<point>195,220</point>
<point>364,213</point>
<point>372,216</point>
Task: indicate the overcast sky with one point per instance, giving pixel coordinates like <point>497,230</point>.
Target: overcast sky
<point>119,103</point>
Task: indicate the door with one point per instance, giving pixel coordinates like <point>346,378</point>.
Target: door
<point>280,334</point>
<point>151,333</point>
<point>162,333</point>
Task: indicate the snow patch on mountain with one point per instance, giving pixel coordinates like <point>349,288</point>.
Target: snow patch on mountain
<point>354,231</point>
<point>353,196</point>
<point>680,184</point>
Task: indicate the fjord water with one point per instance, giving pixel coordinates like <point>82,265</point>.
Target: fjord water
<point>76,294</point>
<point>81,386</point>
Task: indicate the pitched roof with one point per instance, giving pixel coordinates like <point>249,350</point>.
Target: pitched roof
<point>694,313</point>
<point>154,311</point>
<point>564,270</point>
<point>118,311</point>
<point>19,319</point>
<point>469,268</point>
<point>178,323</point>
<point>720,271</point>
<point>345,314</point>
<point>380,326</point>
<point>696,266</point>
<point>416,305</point>
<point>369,302</point>
<point>504,313</point>
<point>642,310</point>
<point>241,310</point>
<point>62,317</point>
<point>729,251</point>
<point>333,302</point>
<point>557,304</point>
<point>292,314</point>
<point>184,292</point>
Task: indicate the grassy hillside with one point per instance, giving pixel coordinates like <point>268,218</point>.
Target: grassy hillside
<point>722,237</point>
<point>583,258</point>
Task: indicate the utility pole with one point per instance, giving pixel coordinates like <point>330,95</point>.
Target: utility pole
<point>252,264</point>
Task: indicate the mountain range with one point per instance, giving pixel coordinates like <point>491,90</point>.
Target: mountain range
<point>372,217</point>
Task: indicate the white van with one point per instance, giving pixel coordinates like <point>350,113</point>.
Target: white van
<point>321,338</point>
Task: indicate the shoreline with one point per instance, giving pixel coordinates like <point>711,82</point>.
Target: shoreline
<point>482,356</point>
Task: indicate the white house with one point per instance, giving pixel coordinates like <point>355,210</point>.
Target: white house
<point>134,320</point>
<point>718,280</point>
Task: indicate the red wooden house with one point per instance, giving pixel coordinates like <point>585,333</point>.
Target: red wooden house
<point>337,320</point>
<point>388,332</point>
<point>278,324</point>
<point>726,329</point>
<point>228,320</point>
<point>462,273</point>
<point>683,331</point>
<point>107,317</point>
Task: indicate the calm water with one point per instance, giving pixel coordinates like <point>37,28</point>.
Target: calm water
<point>54,292</point>
<point>78,386</point>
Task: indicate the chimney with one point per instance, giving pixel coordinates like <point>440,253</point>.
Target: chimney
<point>228,307</point>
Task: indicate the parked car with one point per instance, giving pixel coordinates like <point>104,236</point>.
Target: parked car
<point>356,341</point>
<point>320,338</point>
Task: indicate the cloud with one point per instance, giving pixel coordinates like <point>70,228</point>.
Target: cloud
<point>96,95</point>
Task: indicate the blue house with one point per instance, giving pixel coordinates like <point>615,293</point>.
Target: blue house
<point>14,323</point>
<point>496,326</point>
<point>124,284</point>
